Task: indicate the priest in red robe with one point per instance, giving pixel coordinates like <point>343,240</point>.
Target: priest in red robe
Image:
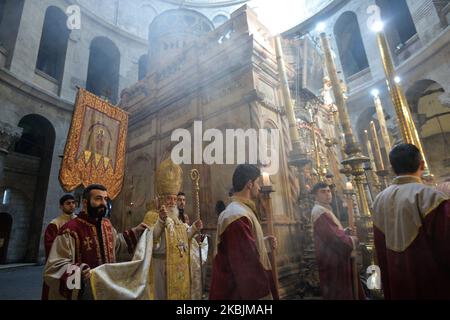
<point>67,205</point>
<point>84,243</point>
<point>412,232</point>
<point>333,247</point>
<point>241,265</point>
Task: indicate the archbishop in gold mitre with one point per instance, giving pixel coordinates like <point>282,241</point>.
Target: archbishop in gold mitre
<point>171,271</point>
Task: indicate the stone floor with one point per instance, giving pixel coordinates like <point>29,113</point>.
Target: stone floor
<point>23,282</point>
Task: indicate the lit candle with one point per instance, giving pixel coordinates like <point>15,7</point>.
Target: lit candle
<point>342,144</point>
<point>266,179</point>
<point>349,186</point>
<point>311,115</point>
<point>377,152</point>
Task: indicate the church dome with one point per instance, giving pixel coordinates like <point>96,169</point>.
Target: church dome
<point>179,21</point>
<point>173,30</point>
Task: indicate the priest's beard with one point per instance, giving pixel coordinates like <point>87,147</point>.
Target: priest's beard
<point>172,212</point>
<point>68,212</point>
<point>181,215</point>
<point>96,212</point>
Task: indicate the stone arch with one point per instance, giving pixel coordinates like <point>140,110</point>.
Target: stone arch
<point>104,69</point>
<point>35,146</point>
<point>433,123</point>
<point>351,48</point>
<point>147,5</point>
<point>399,25</point>
<point>363,122</point>
<point>53,45</point>
<point>418,89</point>
<point>145,14</point>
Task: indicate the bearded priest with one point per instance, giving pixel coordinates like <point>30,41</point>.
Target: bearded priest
<point>85,243</point>
<point>172,237</point>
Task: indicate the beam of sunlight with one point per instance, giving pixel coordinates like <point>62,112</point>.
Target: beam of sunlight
<point>281,15</point>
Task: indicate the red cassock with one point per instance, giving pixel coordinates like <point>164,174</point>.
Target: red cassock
<point>422,270</point>
<point>50,235</point>
<point>237,271</point>
<point>95,243</point>
<point>51,232</point>
<point>333,251</point>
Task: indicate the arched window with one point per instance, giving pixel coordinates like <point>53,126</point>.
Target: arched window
<point>443,9</point>
<point>53,46</point>
<point>103,70</point>
<point>399,25</point>
<point>219,20</point>
<point>10,15</point>
<point>2,9</point>
<point>143,66</point>
<point>350,45</point>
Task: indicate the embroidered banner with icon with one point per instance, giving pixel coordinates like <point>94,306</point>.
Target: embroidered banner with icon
<point>95,147</point>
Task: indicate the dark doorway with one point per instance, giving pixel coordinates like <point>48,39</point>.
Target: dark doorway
<point>38,140</point>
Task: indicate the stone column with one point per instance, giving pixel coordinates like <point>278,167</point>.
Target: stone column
<point>8,135</point>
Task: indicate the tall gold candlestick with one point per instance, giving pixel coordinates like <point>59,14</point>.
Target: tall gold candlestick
<point>298,156</point>
<point>342,143</point>
<point>289,107</point>
<point>195,177</point>
<point>344,118</point>
<point>380,168</point>
<point>372,160</point>
<point>407,126</point>
<point>348,191</point>
<point>355,158</point>
<point>319,168</point>
<point>382,122</point>
<point>377,150</point>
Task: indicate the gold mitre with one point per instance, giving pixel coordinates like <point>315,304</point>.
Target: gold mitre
<point>169,178</point>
